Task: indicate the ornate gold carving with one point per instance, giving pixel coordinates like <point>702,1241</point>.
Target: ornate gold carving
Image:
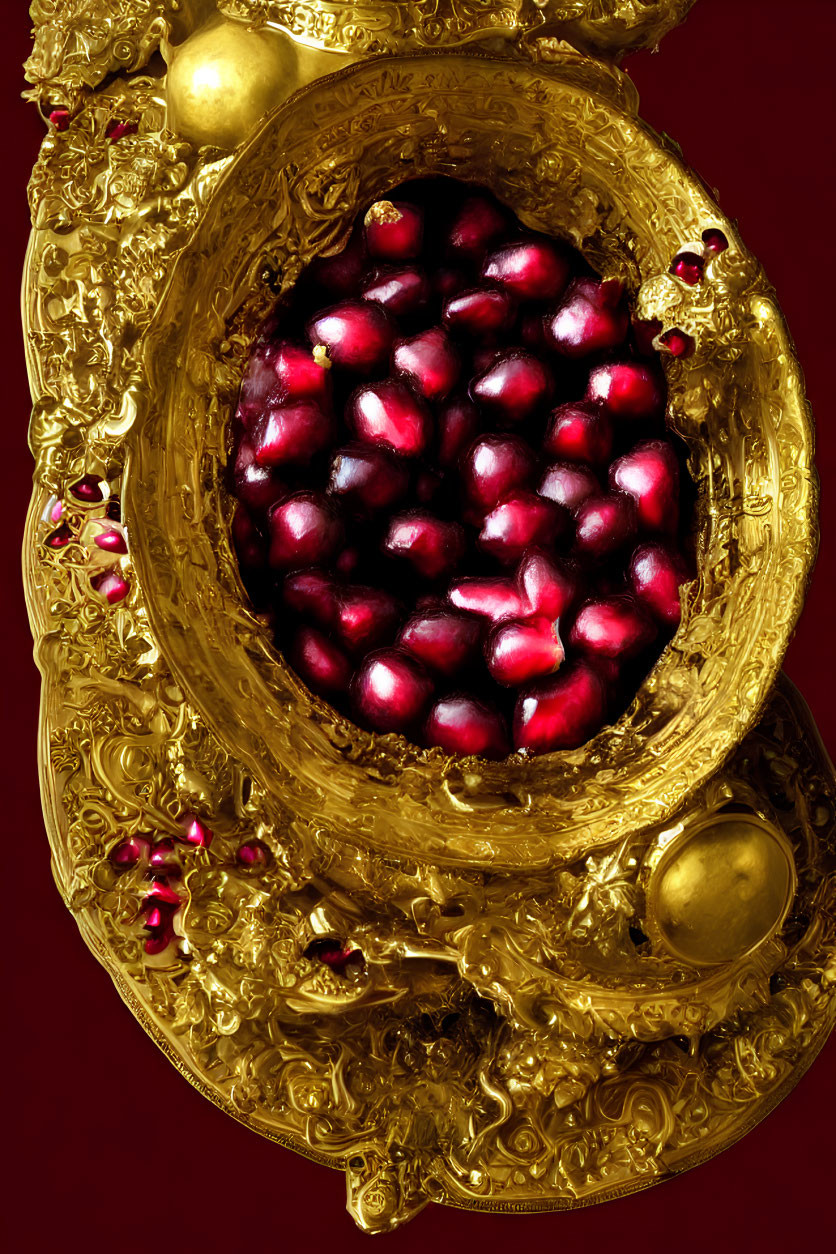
<point>505,1031</point>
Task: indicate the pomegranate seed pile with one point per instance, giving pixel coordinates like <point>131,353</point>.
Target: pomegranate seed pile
<point>458,502</point>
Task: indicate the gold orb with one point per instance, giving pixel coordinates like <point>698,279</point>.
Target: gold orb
<point>722,890</point>
<point>224,78</point>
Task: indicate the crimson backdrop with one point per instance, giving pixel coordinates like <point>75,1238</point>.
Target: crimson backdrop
<point>109,1149</point>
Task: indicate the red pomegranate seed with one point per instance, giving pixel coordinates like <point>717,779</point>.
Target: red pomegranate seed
<point>252,855</point>
<point>493,467</point>
<point>448,281</point>
<point>714,241</point>
<point>569,484</point>
<point>256,486</point>
<point>494,598</point>
<point>312,594</point>
<point>688,267</point>
<point>592,318</point>
<point>514,386</point>
<point>458,423</point>
<point>112,585</point>
<point>347,562</point>
<point>429,362</point>
<point>532,269</point>
<point>59,538</point>
<point>463,724</point>
<point>532,332</point>
<point>321,664</point>
<point>523,519</point>
<point>340,274</point>
<point>548,587</point>
<point>335,955</point>
<point>128,853</point>
<point>59,119</point>
<point>443,639</point>
<point>519,651</point>
<point>358,335</point>
<point>368,477</point>
<point>112,540</point>
<point>391,691</point>
<point>163,859</point>
<point>292,433</point>
<point>195,832</point>
<point>390,413</point>
<point>628,389</point>
<point>644,333</point>
<point>678,343</point>
<point>402,291</point>
<point>394,230</point>
<point>479,311</point>
<point>433,546</point>
<point>484,356</point>
<point>604,524</point>
<point>248,541</point>
<point>477,224</point>
<point>560,712</point>
<point>304,531</point>
<point>657,572</point>
<point>301,374</point>
<point>88,489</point>
<point>579,432</point>
<point>366,618</point>
<point>649,473</point>
<point>162,898</point>
<point>612,627</point>
<point>116,130</point>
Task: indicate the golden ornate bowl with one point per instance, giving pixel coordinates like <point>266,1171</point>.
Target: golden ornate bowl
<point>581,971</point>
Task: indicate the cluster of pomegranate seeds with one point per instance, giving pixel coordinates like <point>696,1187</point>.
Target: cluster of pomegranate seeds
<point>458,502</point>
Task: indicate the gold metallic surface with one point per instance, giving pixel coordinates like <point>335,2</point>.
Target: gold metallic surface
<point>531,1025</point>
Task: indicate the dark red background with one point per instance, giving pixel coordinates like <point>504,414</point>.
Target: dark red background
<point>108,1148</point>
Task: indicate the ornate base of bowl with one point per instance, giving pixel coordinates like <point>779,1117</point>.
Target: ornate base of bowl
<point>515,986</point>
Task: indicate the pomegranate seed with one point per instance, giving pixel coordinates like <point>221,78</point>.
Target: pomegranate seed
<point>444,640</point>
<point>195,832</point>
<point>458,423</point>
<point>688,267</point>
<point>59,119</point>
<point>714,241</point>
<point>88,489</point>
<point>163,859</point>
<point>592,318</point>
<point>495,598</point>
<point>304,531</point>
<point>162,898</point>
<point>295,432</point>
<point>112,585</point>
<point>366,618</point>
<point>514,386</point>
<point>520,521</point>
<point>358,335</point>
<point>389,413</point>
<point>462,724</point>
<point>433,547</point>
<point>569,485</point>
<point>678,343</point>
<point>394,230</point>
<point>627,389</point>
<point>128,853</point>
<point>116,129</point>
<point>368,477</point>
<point>347,563</point>
<point>59,538</point>
<point>401,291</point>
<point>335,955</point>
<point>429,362</point>
<point>613,627</point>
<point>519,651</point>
<point>112,540</point>
<point>252,855</point>
<point>312,594</point>
<point>484,356</point>
<point>604,524</point>
<point>532,332</point>
<point>579,432</point>
<point>493,467</point>
<point>560,712</point>
<point>301,374</point>
<point>649,473</point>
<point>644,333</point>
<point>548,588</point>
<point>255,486</point>
<point>391,691</point>
<point>656,574</point>
<point>479,311</point>
<point>249,543</point>
<point>323,666</point>
<point>448,281</point>
<point>478,223</point>
<point>532,269</point>
<point>341,273</point>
